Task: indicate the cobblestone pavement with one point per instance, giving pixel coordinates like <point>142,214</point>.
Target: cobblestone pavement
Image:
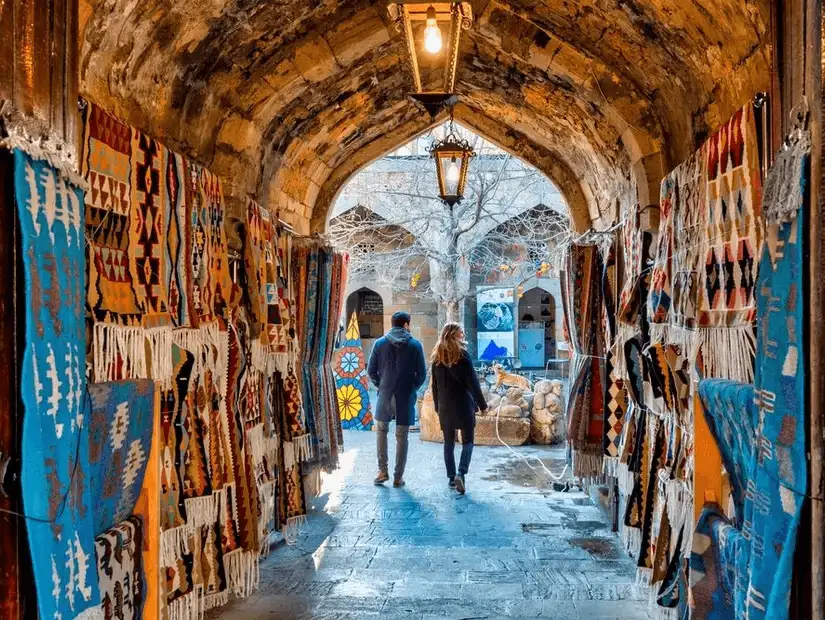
<point>510,548</point>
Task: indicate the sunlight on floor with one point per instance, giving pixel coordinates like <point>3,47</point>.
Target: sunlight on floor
<point>333,483</point>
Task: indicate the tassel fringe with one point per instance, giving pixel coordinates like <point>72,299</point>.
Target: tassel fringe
<point>587,466</point>
<point>728,352</point>
<point>242,572</point>
<point>57,153</point>
<point>174,543</point>
<point>188,607</point>
<point>217,599</point>
<point>289,454</point>
<point>93,613</point>
<point>303,447</point>
<point>202,511</point>
<point>292,528</point>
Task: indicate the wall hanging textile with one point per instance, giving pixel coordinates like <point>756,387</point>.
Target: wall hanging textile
<point>148,509</point>
<point>53,391</point>
<point>320,275</point>
<point>766,458</point>
<point>351,381</point>
<point>157,250</point>
<point>120,570</point>
<point>615,398</point>
<point>779,476</point>
<point>686,257</point>
<point>120,439</point>
<point>585,410</point>
<point>730,249</point>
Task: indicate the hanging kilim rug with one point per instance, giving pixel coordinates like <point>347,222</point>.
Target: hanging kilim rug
<point>778,481</point>
<point>351,381</point>
<point>730,251</point>
<point>53,391</point>
<point>106,162</point>
<point>615,398</point>
<point>585,411</point>
<point>718,568</point>
<point>120,570</point>
<point>731,416</point>
<point>120,439</point>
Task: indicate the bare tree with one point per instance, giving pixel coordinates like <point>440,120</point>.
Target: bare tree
<point>398,232</point>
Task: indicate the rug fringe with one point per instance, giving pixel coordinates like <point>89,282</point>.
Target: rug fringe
<point>728,352</point>
<point>119,352</point>
<point>174,543</point>
<point>190,606</point>
<point>204,510</point>
<point>587,466</point>
<point>303,446</point>
<point>644,577</point>
<point>58,154</point>
<point>659,333</point>
<point>624,333</point>
<point>216,599</point>
<point>242,572</point>
<point>610,466</point>
<point>92,613</point>
<point>292,528</point>
<point>159,341</point>
<point>632,539</point>
<point>289,454</point>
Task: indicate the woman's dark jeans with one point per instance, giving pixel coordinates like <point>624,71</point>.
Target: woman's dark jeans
<point>467,428</point>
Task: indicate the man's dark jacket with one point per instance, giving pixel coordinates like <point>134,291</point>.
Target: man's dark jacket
<point>398,370</point>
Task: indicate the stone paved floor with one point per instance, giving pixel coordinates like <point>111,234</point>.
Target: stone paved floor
<point>510,548</point>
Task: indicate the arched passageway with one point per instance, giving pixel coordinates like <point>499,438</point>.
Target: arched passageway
<point>268,109</point>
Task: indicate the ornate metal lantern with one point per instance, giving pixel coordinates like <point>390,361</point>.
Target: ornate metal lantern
<point>433,32</point>
<point>452,161</point>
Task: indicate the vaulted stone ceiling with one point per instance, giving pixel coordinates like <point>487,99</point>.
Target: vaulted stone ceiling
<point>287,98</point>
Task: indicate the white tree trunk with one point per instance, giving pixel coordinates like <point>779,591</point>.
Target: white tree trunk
<point>451,311</point>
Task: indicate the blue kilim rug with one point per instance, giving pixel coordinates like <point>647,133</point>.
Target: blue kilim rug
<point>120,438</point>
<point>55,476</point>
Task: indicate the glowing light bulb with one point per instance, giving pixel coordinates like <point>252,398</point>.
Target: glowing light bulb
<point>453,172</point>
<point>432,34</point>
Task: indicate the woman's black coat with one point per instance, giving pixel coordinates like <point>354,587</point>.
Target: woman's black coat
<point>457,392</point>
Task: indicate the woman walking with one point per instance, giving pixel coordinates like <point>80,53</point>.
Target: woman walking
<point>456,395</point>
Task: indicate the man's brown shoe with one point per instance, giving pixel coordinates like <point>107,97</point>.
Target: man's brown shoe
<point>382,477</point>
<point>398,483</point>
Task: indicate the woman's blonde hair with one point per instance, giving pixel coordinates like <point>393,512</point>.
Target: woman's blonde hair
<point>450,345</point>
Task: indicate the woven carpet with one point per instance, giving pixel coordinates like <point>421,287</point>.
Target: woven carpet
<point>210,273</point>
<point>776,492</point>
<point>615,398</point>
<point>120,439</point>
<point>731,243</point>
<point>686,258</point>
<point>53,391</point>
<point>257,225</point>
<point>179,241</point>
<point>107,168</point>
<point>659,294</point>
<point>585,410</point>
<point>120,570</point>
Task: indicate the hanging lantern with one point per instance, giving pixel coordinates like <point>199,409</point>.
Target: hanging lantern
<point>432,31</point>
<point>452,161</point>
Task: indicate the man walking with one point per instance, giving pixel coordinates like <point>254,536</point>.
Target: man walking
<point>398,370</point>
